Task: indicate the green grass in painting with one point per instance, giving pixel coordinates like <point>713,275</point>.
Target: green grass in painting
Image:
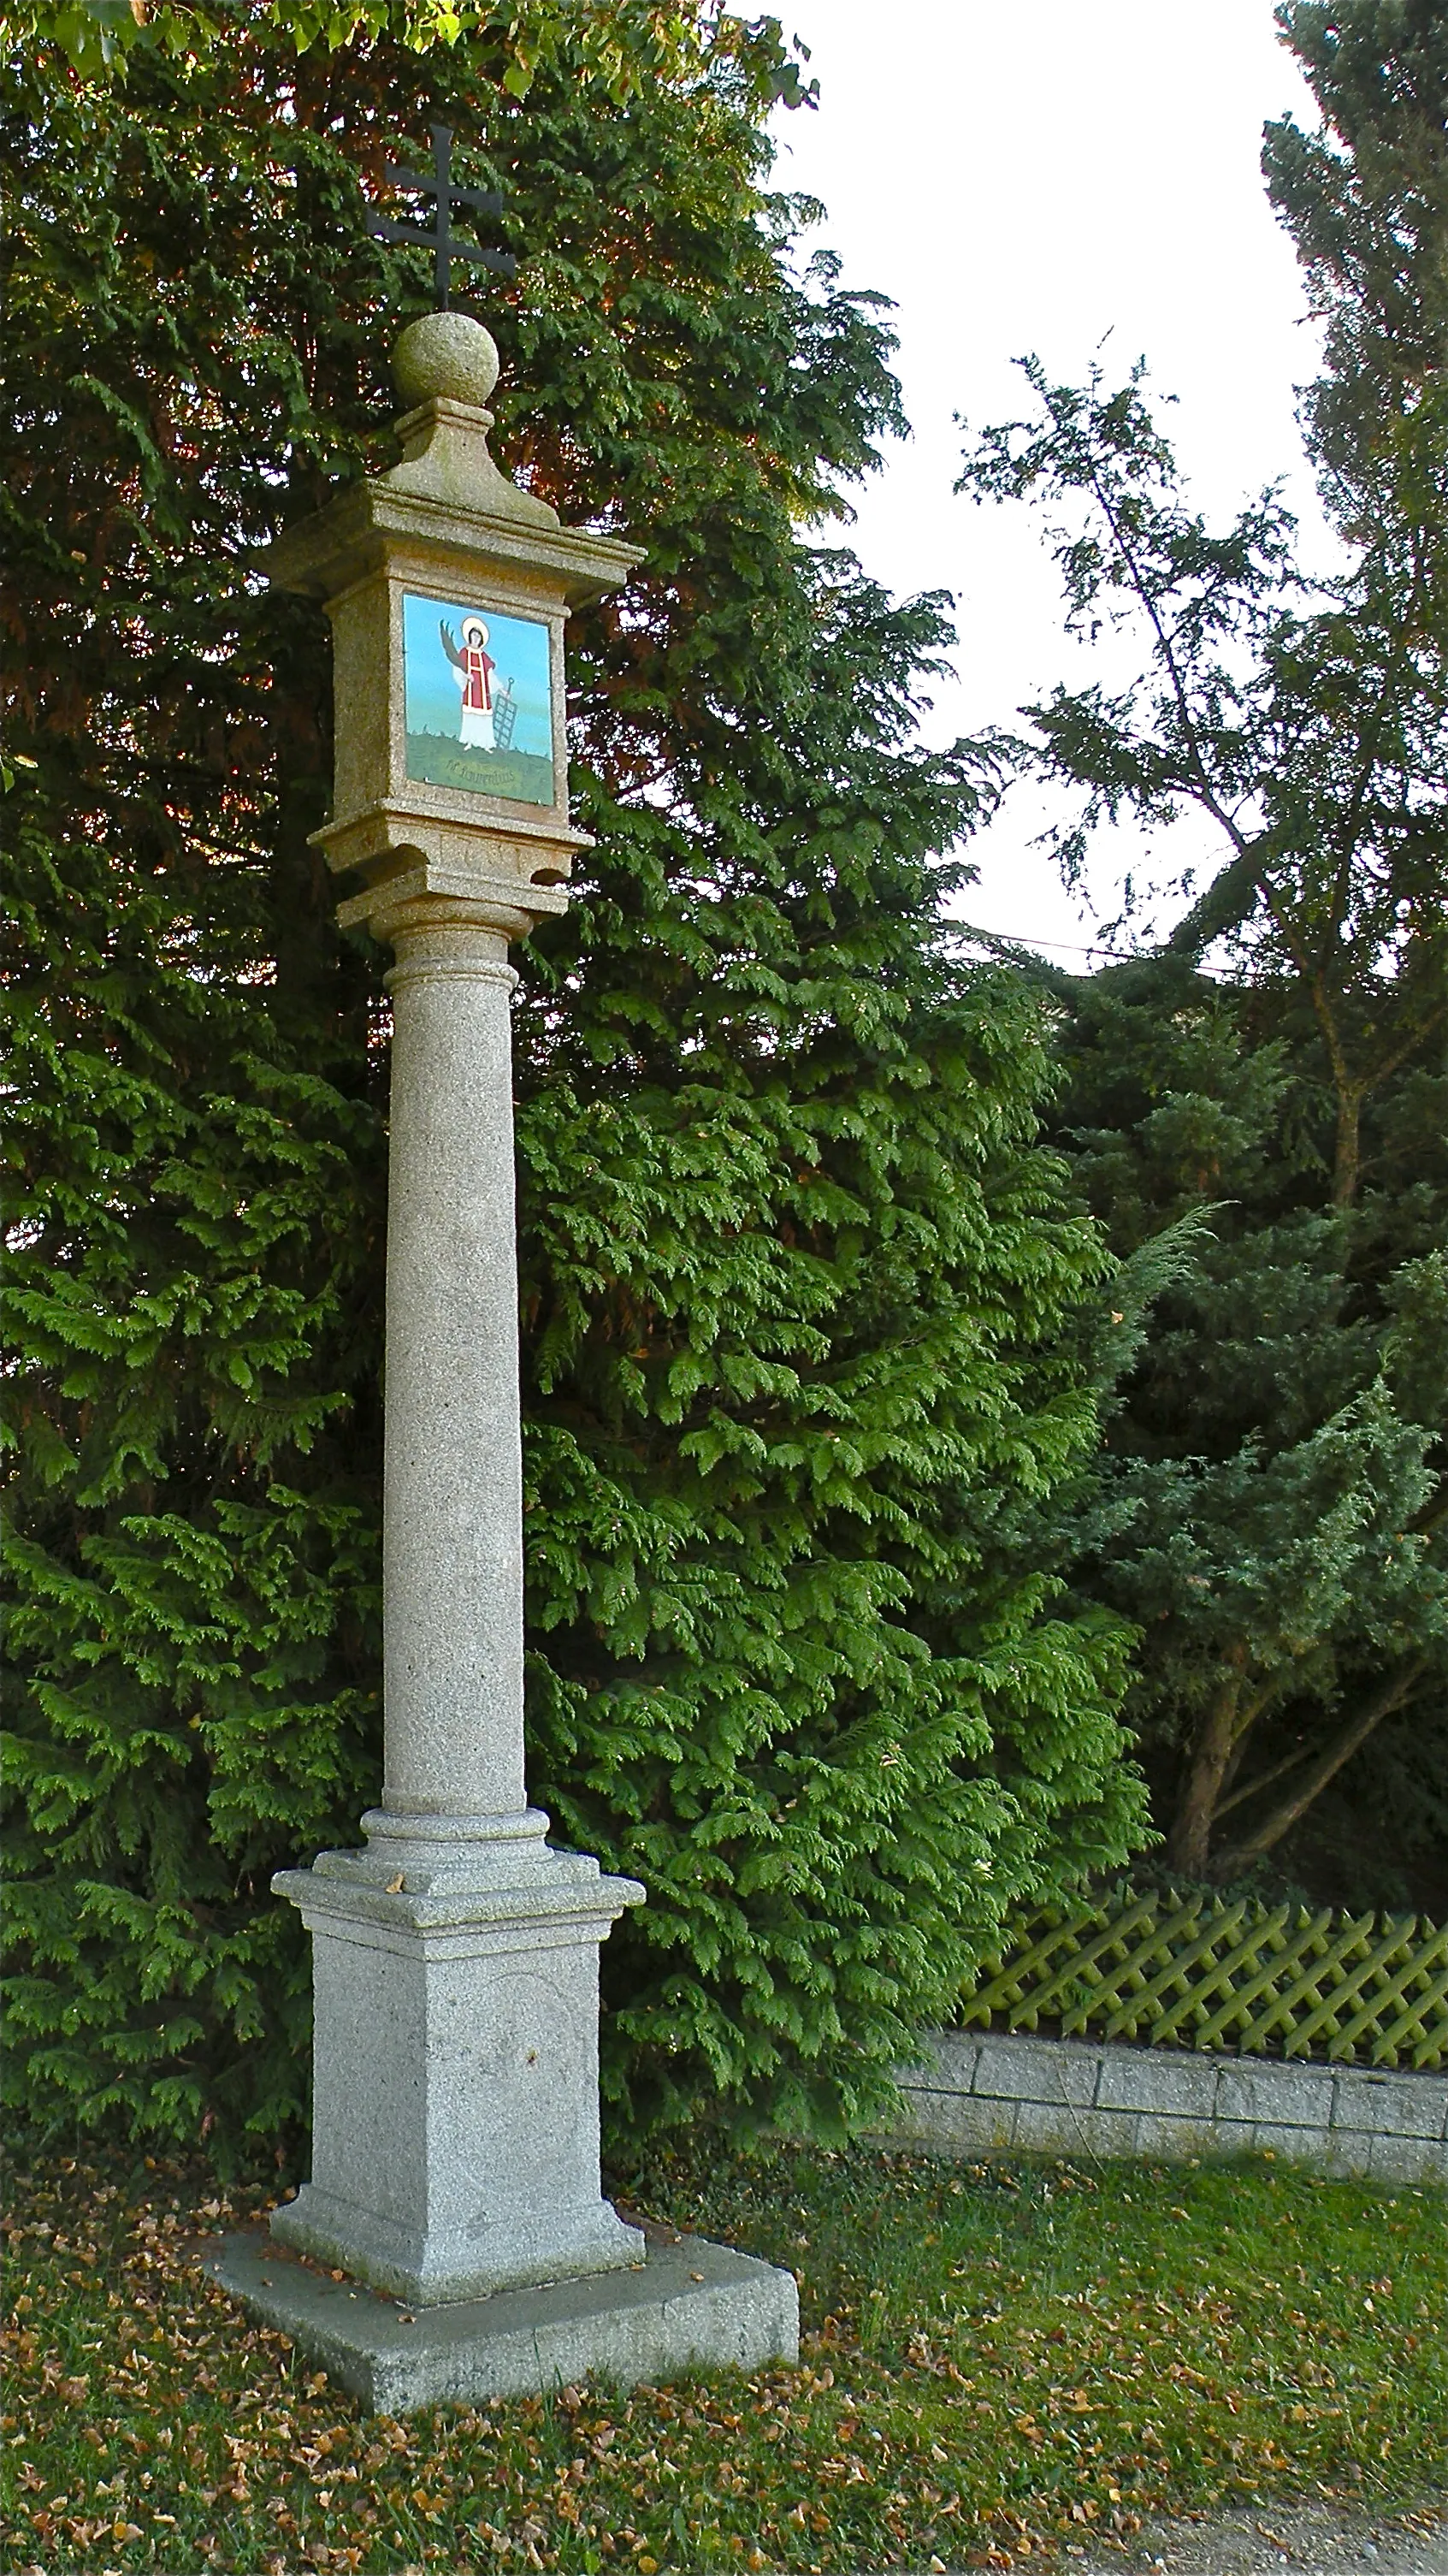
<point>996,2360</point>
<point>440,760</point>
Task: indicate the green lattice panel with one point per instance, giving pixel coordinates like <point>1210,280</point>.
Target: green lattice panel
<point>1192,1972</point>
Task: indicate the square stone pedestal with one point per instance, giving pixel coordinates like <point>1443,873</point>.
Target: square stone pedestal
<point>455,2064</point>
<point>688,2305</point>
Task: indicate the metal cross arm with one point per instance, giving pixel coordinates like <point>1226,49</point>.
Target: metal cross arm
<point>439,237</point>
<point>447,247</point>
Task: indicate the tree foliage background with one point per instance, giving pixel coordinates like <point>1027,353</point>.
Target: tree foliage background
<point>1273,1082</point>
<point>810,1329</point>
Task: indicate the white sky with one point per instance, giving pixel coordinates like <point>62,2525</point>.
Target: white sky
<point>1033,178</point>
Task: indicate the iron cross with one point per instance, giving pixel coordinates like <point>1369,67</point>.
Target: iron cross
<point>440,238</point>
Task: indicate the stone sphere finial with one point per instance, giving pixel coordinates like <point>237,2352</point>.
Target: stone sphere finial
<point>445,357</point>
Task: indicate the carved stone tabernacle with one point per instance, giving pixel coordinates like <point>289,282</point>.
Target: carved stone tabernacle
<point>455,2125</point>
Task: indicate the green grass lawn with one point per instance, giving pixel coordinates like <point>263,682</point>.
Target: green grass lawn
<point>995,2360</point>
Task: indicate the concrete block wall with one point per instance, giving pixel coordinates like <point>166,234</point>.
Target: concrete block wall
<point>982,2093</point>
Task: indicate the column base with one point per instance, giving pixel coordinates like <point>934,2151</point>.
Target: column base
<point>409,2263</point>
<point>455,2053</point>
<point>686,2305</point>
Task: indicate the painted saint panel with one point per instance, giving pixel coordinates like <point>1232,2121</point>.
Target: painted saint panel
<point>479,700</point>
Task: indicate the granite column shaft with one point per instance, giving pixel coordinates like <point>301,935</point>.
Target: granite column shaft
<point>452,1479</point>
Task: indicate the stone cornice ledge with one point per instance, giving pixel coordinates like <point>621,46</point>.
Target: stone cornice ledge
<point>579,1891</point>
<point>352,536</point>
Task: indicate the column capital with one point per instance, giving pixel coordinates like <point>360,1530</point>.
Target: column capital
<point>504,882</point>
<point>453,939</point>
<point>434,932</point>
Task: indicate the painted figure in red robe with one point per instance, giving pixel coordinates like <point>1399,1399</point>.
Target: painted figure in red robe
<point>473,669</point>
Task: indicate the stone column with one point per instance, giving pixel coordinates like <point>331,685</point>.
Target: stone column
<point>455,1960</point>
<point>452,1563</point>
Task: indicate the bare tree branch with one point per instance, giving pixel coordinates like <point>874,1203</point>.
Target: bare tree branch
<point>1398,1687</point>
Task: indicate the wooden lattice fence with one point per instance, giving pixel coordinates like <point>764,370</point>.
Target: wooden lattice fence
<point>1197,1972</point>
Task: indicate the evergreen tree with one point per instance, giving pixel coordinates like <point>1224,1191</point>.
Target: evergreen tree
<point>801,1293</point>
<point>1274,1507</point>
<point>1269,1508</point>
<point>1365,199</point>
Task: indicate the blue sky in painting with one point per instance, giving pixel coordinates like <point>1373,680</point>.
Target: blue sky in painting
<point>518,645</point>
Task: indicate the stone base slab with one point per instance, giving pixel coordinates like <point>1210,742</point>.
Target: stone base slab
<point>690,2305</point>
